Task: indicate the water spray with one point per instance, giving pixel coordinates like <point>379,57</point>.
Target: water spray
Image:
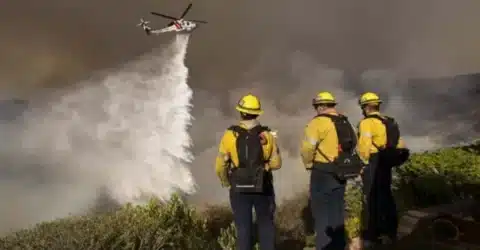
<point>124,132</point>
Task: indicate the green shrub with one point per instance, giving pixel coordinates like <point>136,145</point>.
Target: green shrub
<point>293,221</point>
<point>173,225</point>
<point>228,238</point>
<point>439,177</point>
<point>218,217</point>
<point>353,202</point>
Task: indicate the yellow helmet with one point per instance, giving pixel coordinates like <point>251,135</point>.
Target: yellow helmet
<point>324,98</point>
<point>249,104</point>
<point>369,98</point>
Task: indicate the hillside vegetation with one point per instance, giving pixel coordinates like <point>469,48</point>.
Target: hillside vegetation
<point>429,178</point>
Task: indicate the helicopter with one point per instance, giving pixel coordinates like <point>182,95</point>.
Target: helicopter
<point>176,25</point>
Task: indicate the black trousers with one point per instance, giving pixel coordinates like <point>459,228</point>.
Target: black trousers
<point>264,204</point>
<point>379,208</point>
<point>327,197</point>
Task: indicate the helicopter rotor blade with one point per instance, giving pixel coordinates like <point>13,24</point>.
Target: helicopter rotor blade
<point>164,16</point>
<point>186,10</point>
<point>198,21</point>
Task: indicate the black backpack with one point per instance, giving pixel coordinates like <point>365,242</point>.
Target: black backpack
<point>250,175</point>
<point>348,164</point>
<point>390,155</point>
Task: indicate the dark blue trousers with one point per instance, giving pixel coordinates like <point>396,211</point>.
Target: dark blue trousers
<point>264,204</point>
<point>328,210</point>
<point>379,208</point>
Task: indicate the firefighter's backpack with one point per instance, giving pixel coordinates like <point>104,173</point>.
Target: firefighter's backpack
<point>348,163</point>
<point>250,175</point>
<point>391,155</point>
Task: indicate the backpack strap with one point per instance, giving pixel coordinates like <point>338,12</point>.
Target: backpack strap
<point>324,156</point>
<point>238,129</point>
<point>378,117</point>
<point>255,130</point>
<point>339,117</point>
<point>384,119</point>
<point>332,117</point>
<point>259,129</point>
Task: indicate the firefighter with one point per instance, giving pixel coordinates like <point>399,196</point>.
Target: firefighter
<point>248,154</point>
<point>380,220</point>
<point>319,148</point>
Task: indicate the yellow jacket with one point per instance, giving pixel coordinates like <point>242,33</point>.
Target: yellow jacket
<point>227,153</point>
<point>319,133</point>
<point>372,134</point>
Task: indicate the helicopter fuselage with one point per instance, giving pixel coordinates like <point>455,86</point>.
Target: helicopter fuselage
<point>184,25</point>
<point>175,25</point>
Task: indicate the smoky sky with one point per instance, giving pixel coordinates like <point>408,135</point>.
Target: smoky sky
<point>52,42</point>
<point>283,51</point>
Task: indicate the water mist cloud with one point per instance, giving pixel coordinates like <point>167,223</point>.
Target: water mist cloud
<point>123,132</point>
